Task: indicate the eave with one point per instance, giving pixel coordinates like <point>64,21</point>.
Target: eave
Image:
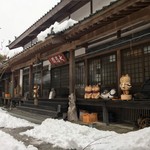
<point>90,30</point>
<point>58,13</point>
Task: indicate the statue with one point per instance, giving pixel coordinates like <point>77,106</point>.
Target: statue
<point>95,92</point>
<point>52,93</point>
<point>72,111</point>
<point>88,92</point>
<point>92,92</point>
<point>108,94</point>
<point>36,94</point>
<point>125,85</point>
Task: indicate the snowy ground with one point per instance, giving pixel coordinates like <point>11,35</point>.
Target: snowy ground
<point>70,136</point>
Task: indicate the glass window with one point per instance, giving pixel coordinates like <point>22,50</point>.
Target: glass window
<point>95,71</point>
<point>60,81</point>
<point>25,84</point>
<point>80,74</point>
<point>136,63</point>
<point>46,83</point>
<point>80,79</point>
<point>103,71</point>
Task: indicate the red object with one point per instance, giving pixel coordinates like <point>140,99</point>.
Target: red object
<point>57,59</point>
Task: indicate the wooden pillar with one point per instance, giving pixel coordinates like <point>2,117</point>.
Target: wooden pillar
<point>105,115</point>
<point>72,72</point>
<point>119,70</point>
<point>12,85</point>
<point>30,80</point>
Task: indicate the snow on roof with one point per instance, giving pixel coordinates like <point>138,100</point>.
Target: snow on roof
<point>56,28</point>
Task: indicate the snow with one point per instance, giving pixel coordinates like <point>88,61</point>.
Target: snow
<point>56,28</point>
<point>69,135</point>
<point>9,121</point>
<point>7,142</point>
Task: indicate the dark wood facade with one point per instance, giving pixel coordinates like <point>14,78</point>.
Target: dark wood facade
<point>116,40</point>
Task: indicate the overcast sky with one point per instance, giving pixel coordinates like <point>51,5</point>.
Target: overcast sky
<point>18,15</point>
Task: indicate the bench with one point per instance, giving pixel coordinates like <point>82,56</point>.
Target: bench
<point>126,111</point>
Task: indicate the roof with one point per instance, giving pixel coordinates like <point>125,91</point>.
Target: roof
<point>58,13</point>
<point>106,17</point>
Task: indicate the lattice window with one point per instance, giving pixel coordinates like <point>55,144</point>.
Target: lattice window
<point>60,77</point>
<point>55,75</point>
<point>60,81</point>
<point>80,74</point>
<point>136,63</point>
<point>25,83</point>
<point>103,70</point>
<point>109,70</point>
<point>80,79</point>
<point>64,78</point>
<point>46,82</point>
<point>95,71</point>
<point>147,62</point>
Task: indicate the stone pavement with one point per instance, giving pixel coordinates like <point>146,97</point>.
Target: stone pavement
<point>35,118</point>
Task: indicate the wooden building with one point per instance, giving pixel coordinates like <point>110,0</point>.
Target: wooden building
<point>111,38</point>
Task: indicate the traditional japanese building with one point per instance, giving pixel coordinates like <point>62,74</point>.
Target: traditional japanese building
<point>106,40</point>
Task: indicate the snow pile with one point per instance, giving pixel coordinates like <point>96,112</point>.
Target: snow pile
<point>137,140</point>
<point>9,121</point>
<point>7,142</point>
<point>56,28</point>
<point>67,135</point>
<point>72,136</point>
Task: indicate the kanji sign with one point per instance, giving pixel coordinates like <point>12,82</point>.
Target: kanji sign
<point>57,59</point>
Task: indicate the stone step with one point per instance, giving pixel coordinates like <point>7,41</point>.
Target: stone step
<point>50,113</point>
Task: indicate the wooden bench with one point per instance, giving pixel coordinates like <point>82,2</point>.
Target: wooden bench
<point>126,111</point>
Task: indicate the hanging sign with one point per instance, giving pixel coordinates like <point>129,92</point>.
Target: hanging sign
<point>57,59</point>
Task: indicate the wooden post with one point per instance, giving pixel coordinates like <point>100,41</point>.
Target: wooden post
<point>30,81</point>
<point>105,114</point>
<point>119,70</point>
<point>72,72</point>
<point>12,85</point>
<point>72,111</point>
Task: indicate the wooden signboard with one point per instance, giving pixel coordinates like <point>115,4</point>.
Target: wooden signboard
<point>57,59</point>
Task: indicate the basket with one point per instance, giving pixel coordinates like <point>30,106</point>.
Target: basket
<point>7,95</point>
<point>93,117</point>
<point>86,118</point>
<point>89,117</point>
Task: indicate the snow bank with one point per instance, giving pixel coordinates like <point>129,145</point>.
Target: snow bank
<point>56,28</point>
<point>8,121</point>
<point>7,142</point>
<point>67,135</point>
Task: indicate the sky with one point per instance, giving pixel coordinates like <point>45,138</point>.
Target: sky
<point>16,16</point>
<point>69,135</point>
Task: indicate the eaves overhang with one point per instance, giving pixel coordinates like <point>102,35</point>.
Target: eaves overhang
<point>101,19</point>
<point>58,13</point>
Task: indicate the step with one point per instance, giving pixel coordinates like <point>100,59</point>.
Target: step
<point>53,108</point>
<point>52,114</point>
<point>48,102</point>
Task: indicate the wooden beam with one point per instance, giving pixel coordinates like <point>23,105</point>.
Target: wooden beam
<point>116,25</point>
<point>104,15</point>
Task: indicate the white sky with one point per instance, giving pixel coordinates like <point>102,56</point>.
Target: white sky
<point>68,135</point>
<point>16,16</point>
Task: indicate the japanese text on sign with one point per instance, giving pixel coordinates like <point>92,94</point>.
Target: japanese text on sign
<point>57,59</point>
